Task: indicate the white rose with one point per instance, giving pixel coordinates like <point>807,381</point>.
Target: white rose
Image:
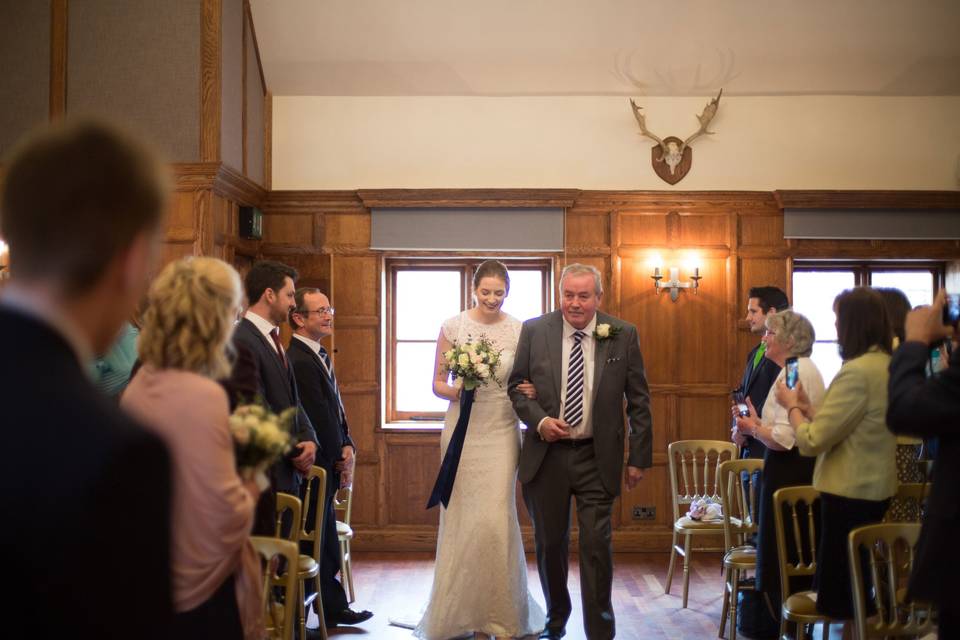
<point>464,359</point>
<point>476,359</point>
<point>483,371</point>
<point>257,410</point>
<point>251,422</point>
<point>603,331</point>
<point>241,434</point>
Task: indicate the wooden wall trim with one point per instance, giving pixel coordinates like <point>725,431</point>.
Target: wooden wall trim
<point>248,15</point>
<point>311,201</point>
<point>210,80</point>
<point>220,178</point>
<point>658,201</point>
<point>789,199</point>
<point>58,59</point>
<point>268,140</point>
<point>485,198</point>
<point>232,184</point>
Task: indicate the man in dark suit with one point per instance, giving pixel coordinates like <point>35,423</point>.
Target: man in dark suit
<point>269,287</point>
<point>759,373</point>
<point>312,321</point>
<point>931,408</point>
<point>85,491</point>
<point>586,366</point>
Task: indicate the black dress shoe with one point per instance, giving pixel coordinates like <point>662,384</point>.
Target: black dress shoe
<point>553,634</point>
<point>348,617</point>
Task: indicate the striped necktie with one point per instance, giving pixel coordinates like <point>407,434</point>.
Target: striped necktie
<point>333,379</point>
<point>573,404</point>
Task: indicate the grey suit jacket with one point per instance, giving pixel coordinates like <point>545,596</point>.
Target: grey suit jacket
<point>618,379</point>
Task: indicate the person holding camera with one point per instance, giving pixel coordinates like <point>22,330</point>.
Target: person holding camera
<point>931,407</point>
<point>855,471</point>
<point>789,339</point>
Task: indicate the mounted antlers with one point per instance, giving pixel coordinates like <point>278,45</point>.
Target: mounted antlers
<point>671,148</point>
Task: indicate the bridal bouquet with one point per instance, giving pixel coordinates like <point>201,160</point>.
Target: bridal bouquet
<point>259,438</point>
<point>473,362</point>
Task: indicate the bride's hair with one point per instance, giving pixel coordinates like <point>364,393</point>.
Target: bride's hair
<point>491,269</point>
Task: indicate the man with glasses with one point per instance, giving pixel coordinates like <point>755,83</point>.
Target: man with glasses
<point>312,321</point>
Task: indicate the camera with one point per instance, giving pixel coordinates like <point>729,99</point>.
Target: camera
<point>793,372</point>
<point>951,309</point>
<point>741,403</point>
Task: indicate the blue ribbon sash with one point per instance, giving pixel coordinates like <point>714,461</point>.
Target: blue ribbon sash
<point>443,487</point>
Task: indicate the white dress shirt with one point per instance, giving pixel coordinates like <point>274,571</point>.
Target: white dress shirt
<point>266,327</point>
<point>315,347</point>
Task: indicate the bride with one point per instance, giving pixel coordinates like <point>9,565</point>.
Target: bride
<point>480,576</point>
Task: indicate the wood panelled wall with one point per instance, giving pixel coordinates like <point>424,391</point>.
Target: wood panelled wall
<point>694,348</point>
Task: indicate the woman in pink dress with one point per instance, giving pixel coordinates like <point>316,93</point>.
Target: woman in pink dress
<point>184,349</point>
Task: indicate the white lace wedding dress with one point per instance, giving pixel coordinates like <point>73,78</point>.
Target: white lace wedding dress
<point>480,577</point>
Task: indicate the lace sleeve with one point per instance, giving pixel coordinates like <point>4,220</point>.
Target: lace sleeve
<point>451,328</point>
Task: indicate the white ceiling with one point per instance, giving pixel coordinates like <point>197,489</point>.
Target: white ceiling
<point>609,47</point>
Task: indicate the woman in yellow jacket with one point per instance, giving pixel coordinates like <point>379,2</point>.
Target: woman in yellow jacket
<point>855,470</point>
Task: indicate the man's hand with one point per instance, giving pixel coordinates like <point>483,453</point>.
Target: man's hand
<point>738,438</point>
<point>304,460</point>
<point>345,466</point>
<point>633,477</point>
<point>925,324</point>
<point>553,429</point>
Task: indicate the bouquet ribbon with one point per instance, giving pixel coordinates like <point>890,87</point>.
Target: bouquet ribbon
<point>443,487</point>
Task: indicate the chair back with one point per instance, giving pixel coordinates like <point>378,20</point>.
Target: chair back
<point>695,470</point>
<point>740,497</point>
<point>911,497</point>
<point>890,548</point>
<point>278,618</point>
<point>796,539</point>
<point>343,504</point>
<point>316,495</point>
<point>288,510</point>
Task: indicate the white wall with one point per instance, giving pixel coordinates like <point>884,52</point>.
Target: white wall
<point>592,142</point>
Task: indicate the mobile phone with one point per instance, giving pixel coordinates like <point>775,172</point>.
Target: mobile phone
<point>951,309</point>
<point>793,372</point>
<point>741,403</point>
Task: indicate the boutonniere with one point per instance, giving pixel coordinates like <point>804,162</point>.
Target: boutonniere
<point>605,332</point>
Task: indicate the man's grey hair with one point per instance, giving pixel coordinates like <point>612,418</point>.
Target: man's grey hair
<point>577,269</point>
<point>790,326</point>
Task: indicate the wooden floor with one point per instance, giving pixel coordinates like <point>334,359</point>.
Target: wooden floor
<point>394,585</point>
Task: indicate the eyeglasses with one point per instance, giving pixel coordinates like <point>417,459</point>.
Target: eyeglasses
<point>321,311</point>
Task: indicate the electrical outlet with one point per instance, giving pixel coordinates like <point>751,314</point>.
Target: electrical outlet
<point>648,512</point>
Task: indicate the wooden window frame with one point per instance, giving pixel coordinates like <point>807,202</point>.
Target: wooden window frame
<point>466,265</point>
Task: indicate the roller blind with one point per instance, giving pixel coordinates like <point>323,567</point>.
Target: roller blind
<point>872,224</point>
<point>467,229</point>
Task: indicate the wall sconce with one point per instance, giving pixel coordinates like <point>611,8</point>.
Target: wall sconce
<point>674,283</point>
<point>4,261</point>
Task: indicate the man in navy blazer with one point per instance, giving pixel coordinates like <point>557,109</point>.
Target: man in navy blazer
<point>84,490</point>
<point>269,287</point>
<point>759,373</point>
<point>312,321</point>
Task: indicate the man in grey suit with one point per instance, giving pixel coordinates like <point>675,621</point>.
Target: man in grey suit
<point>585,366</point>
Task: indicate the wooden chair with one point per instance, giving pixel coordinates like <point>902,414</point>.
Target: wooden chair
<point>690,463</point>
<point>890,547</point>
<point>740,498</point>
<point>309,568</point>
<point>343,507</point>
<point>288,528</point>
<point>278,618</point>
<point>911,496</point>
<point>801,607</point>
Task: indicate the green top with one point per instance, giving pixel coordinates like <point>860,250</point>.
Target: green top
<point>111,373</point>
<point>759,355</point>
<point>856,453</point>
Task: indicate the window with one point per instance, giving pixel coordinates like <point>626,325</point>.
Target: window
<point>816,284</point>
<point>421,294</point>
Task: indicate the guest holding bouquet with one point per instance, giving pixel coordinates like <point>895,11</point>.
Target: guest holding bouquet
<point>183,346</point>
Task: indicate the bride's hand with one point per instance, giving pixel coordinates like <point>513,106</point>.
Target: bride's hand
<point>526,388</point>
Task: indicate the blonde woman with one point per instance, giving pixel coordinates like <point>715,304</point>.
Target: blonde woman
<point>184,349</point>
